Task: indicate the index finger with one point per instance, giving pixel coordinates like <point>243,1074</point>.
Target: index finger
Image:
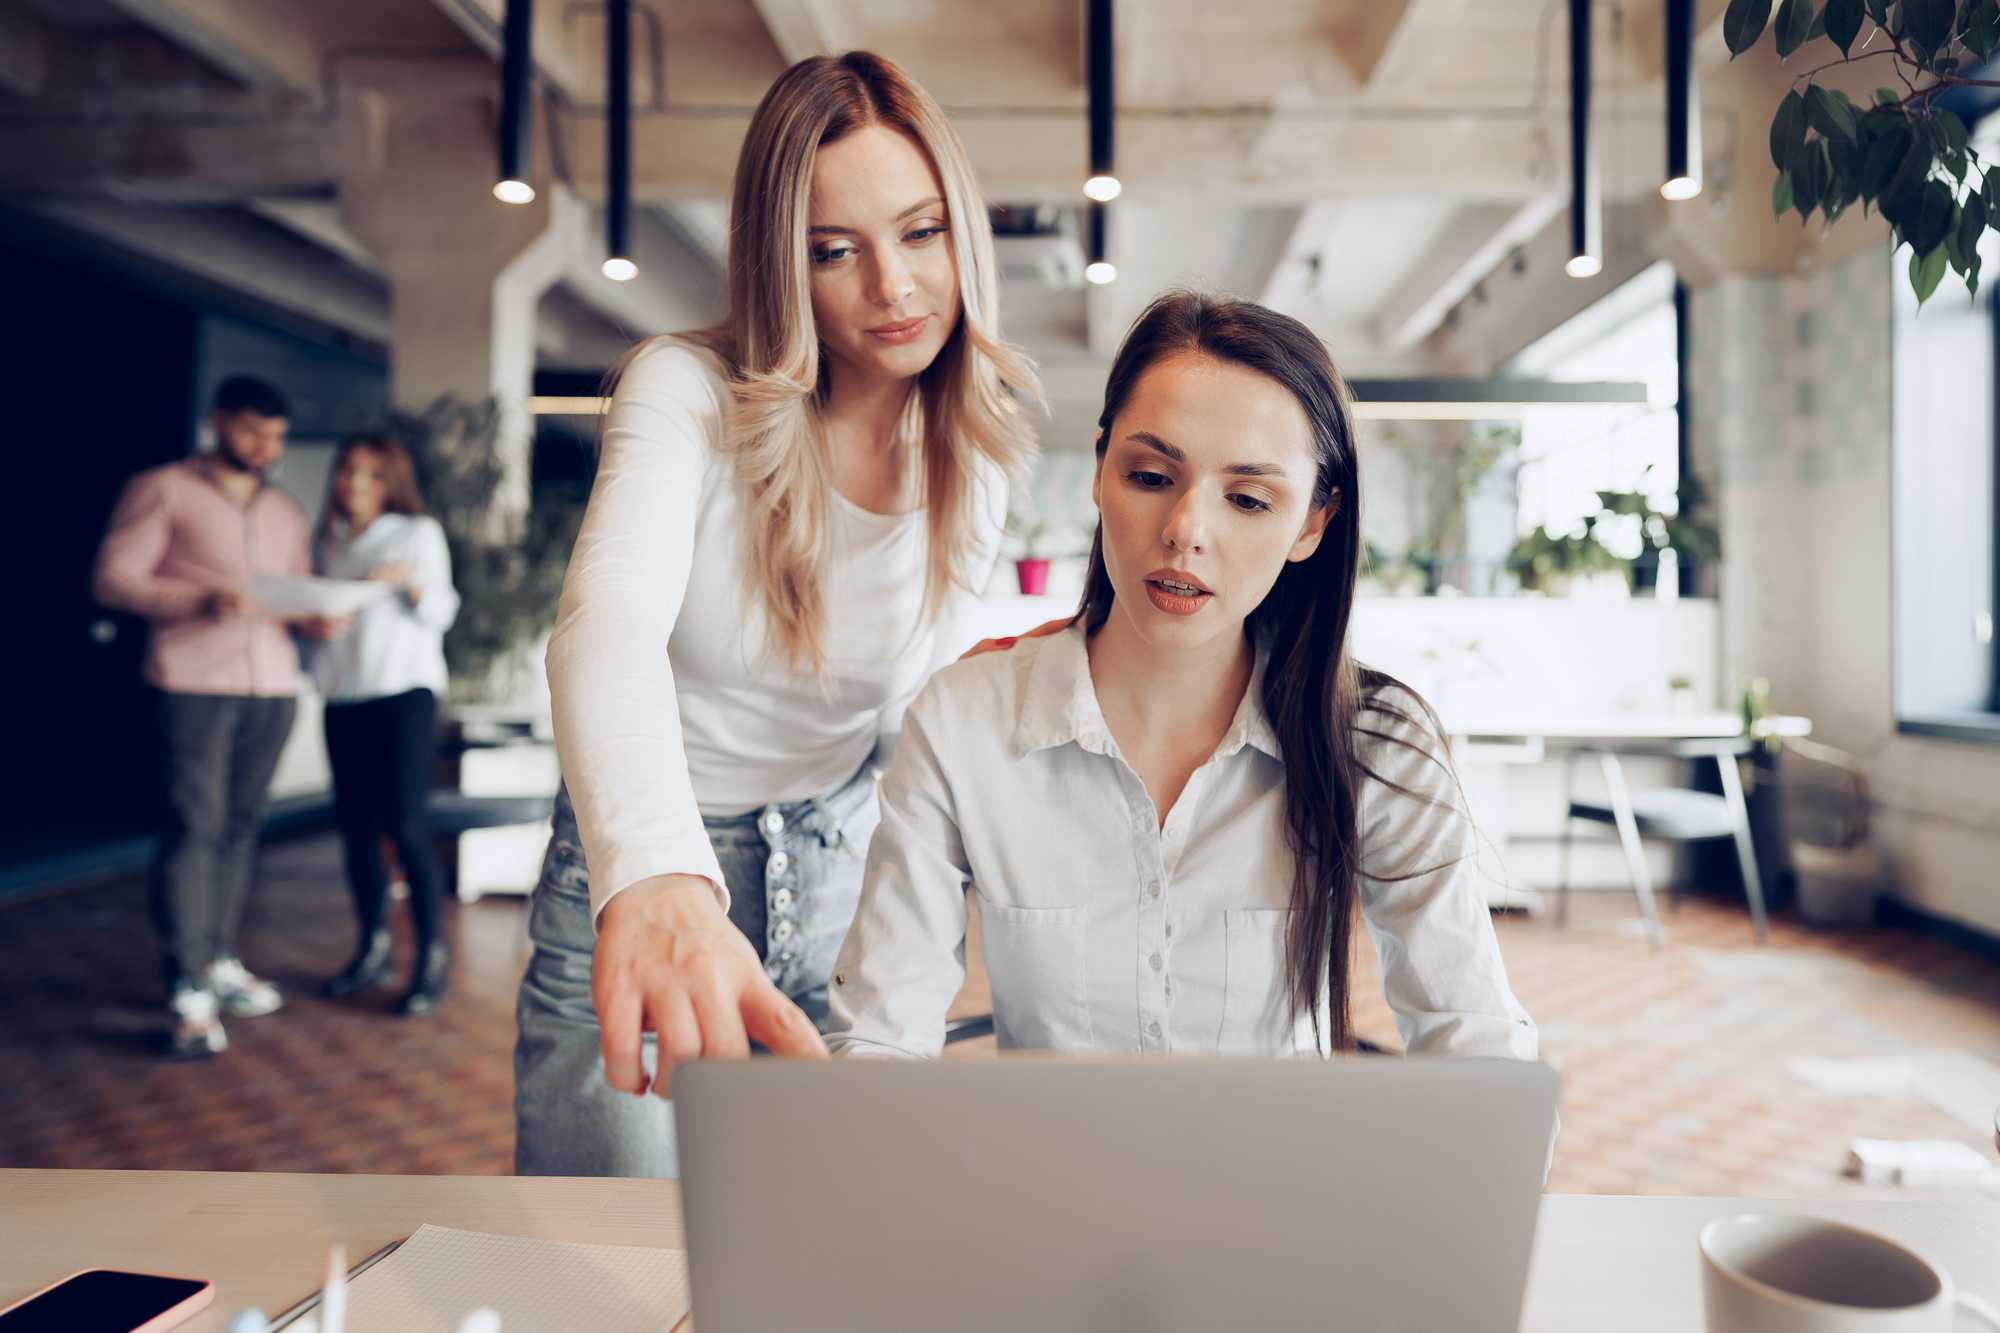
<point>782,1026</point>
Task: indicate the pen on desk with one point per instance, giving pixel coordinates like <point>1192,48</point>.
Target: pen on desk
<point>291,1316</point>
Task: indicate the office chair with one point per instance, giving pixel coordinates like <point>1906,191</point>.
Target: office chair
<point>1673,813</point>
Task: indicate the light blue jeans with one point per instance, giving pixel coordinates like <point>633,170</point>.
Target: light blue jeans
<point>794,877</point>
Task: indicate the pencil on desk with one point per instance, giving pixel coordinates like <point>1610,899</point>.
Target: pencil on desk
<point>292,1315</point>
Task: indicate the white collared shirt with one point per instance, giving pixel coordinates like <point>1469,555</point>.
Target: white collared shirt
<point>1104,930</point>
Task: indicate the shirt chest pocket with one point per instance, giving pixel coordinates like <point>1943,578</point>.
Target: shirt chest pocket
<point>1255,1015</point>
<point>1035,960</point>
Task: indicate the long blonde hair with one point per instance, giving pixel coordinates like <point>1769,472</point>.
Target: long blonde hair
<point>969,402</point>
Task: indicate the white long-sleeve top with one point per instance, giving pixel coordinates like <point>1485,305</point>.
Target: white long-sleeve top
<point>394,647</point>
<point>670,702</point>
<point>1104,930</point>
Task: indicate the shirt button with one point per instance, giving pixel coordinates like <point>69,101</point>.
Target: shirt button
<point>776,865</point>
<point>1153,889</point>
<point>782,931</point>
<point>1156,961</point>
<point>783,899</point>
<point>1152,1029</point>
<point>772,823</point>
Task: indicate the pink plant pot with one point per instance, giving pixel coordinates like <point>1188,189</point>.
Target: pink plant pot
<point>1034,576</point>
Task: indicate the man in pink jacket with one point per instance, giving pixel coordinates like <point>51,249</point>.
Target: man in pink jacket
<point>182,547</point>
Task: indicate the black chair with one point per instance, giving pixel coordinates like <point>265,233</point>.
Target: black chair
<point>1673,813</point>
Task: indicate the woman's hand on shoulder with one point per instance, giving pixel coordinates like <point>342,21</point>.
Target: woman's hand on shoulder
<point>668,961</point>
<point>1002,645</point>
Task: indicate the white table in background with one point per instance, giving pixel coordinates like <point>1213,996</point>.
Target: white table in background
<point>1485,745</point>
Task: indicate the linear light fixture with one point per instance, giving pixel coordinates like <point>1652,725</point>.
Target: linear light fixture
<point>618,264</point>
<point>1586,198</point>
<point>1481,400</point>
<point>1683,104</point>
<point>1103,185</point>
<point>516,68</point>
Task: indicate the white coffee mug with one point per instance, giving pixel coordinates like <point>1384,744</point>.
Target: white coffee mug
<point>1778,1273</point>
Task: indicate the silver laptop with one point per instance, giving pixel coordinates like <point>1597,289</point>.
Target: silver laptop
<point>1131,1197</point>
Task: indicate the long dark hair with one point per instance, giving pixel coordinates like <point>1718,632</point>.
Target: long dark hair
<point>1315,694</point>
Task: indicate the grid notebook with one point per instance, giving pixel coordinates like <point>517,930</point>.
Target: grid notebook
<point>440,1275</point>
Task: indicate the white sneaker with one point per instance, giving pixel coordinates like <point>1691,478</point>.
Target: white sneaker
<point>240,992</point>
<point>197,1024</point>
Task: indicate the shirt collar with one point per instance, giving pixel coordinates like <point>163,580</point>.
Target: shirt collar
<point>1061,706</point>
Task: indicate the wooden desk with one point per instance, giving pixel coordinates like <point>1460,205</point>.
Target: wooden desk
<point>1603,1264</point>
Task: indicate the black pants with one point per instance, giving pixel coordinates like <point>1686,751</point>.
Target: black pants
<point>381,751</point>
<point>220,751</point>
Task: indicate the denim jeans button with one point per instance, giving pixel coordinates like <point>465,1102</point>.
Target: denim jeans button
<point>772,823</point>
<point>781,899</point>
<point>782,931</point>
<point>776,865</point>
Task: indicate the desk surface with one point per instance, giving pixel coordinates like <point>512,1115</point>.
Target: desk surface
<point>1602,1263</point>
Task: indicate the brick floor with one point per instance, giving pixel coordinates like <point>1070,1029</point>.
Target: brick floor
<point>1675,1067</point>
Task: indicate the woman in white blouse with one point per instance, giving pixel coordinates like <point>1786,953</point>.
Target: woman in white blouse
<point>1172,811</point>
<point>788,509</point>
<point>382,679</point>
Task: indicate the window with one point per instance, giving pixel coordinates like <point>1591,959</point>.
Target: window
<point>1943,498</point>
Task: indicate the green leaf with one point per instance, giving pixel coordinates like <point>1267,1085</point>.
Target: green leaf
<point>1879,11</point>
<point>1788,130</point>
<point>1794,22</point>
<point>1885,155</point>
<point>1926,271</point>
<point>1809,179</point>
<point>1955,164</point>
<point>1845,159</point>
<point>1971,226</point>
<point>1929,23</point>
<point>1832,116</point>
<point>1843,22</point>
<point>1955,137</point>
<point>1914,171</point>
<point>1982,34</point>
<point>1781,194</point>
<point>1743,23</point>
<point>1951,250</point>
<point>1933,218</point>
<point>1818,28</point>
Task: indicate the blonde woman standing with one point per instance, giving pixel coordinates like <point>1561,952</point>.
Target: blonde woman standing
<point>788,511</point>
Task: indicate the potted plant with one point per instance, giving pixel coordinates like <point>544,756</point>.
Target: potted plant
<point>1032,568</point>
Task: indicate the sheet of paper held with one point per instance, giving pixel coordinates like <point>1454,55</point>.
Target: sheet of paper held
<point>288,597</point>
<point>537,1286</point>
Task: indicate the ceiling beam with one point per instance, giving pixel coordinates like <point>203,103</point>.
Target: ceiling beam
<point>1476,242</point>
<point>801,28</point>
<point>250,41</point>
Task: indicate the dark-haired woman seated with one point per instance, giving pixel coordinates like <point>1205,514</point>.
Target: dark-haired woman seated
<point>1172,810</point>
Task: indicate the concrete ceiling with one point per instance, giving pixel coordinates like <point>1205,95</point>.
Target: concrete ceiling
<point>1366,165</point>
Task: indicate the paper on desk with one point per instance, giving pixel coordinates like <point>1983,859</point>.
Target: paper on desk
<point>287,597</point>
<point>439,1275</point>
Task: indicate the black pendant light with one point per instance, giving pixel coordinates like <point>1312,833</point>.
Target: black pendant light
<point>1103,185</point>
<point>1683,105</point>
<point>618,141</point>
<point>516,67</point>
<point>1586,200</point>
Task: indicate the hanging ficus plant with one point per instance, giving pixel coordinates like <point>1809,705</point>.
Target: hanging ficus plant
<point>1901,154</point>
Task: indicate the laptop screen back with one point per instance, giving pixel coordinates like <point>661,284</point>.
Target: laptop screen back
<point>1067,1197</point>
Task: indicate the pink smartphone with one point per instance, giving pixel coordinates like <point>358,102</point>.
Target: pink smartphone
<point>105,1300</point>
